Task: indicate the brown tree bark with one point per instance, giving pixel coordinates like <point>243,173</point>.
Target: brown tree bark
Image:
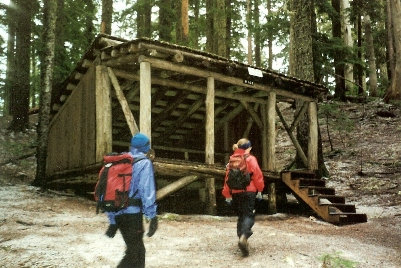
<point>370,53</point>
<point>107,16</point>
<point>166,18</point>
<point>143,19</point>
<point>394,91</point>
<point>20,93</point>
<point>45,94</point>
<point>10,74</point>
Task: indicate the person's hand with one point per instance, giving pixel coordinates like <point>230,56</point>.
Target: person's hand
<point>229,201</point>
<point>259,196</point>
<point>152,227</point>
<point>112,230</point>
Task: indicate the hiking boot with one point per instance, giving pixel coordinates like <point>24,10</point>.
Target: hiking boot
<point>243,245</point>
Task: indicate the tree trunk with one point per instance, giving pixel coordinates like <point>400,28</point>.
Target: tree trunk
<point>301,66</point>
<point>390,42</point>
<point>270,38</point>
<point>249,26</point>
<point>338,56</point>
<point>258,39</point>
<point>210,10</point>
<point>229,10</point>
<point>370,53</point>
<point>107,16</point>
<point>359,68</point>
<point>45,94</point>
<point>143,20</point>
<point>166,18</point>
<point>10,74</point>
<point>394,91</point>
<point>348,41</point>
<point>20,94</point>
<point>220,28</point>
<point>184,21</point>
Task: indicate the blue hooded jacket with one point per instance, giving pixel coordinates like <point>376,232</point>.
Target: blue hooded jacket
<point>142,185</point>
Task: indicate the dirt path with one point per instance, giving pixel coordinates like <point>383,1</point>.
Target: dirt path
<point>48,230</point>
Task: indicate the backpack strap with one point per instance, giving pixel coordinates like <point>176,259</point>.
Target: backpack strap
<point>136,201</point>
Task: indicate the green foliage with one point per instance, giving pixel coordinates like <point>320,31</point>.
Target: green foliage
<point>338,119</point>
<point>336,261</point>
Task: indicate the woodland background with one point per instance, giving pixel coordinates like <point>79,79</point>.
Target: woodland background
<point>352,47</point>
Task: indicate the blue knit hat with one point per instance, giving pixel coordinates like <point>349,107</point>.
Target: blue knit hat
<point>245,145</point>
<point>141,142</point>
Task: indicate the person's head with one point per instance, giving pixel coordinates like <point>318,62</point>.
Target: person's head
<point>141,142</point>
<point>244,144</point>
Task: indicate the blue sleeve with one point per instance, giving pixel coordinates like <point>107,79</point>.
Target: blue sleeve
<point>111,217</point>
<point>147,188</point>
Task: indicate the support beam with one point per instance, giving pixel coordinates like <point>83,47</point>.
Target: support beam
<point>192,88</point>
<point>299,116</point>
<point>253,114</point>
<point>175,186</point>
<point>103,113</point>
<point>271,131</point>
<point>209,145</point>
<point>129,117</point>
<point>313,137</point>
<point>293,139</point>
<point>165,65</point>
<point>145,98</point>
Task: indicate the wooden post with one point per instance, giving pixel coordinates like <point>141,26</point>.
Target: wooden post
<point>313,137</point>
<point>226,143</point>
<point>209,145</point>
<point>145,98</point>
<point>271,148</point>
<point>103,113</point>
<point>271,131</point>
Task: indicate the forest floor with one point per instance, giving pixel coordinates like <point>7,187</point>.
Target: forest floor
<point>58,229</point>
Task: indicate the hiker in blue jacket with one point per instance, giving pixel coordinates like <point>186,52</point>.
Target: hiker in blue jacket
<point>129,220</point>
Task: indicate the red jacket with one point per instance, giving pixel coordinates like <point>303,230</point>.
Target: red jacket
<point>257,182</point>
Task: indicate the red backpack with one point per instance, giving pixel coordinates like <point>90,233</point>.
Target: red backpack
<point>112,188</point>
<point>238,175</point>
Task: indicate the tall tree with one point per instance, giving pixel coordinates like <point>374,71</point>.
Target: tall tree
<point>348,41</point>
<point>144,13</point>
<point>390,43</point>
<point>10,73</point>
<point>301,66</point>
<point>220,28</point>
<point>394,91</point>
<point>107,16</point>
<point>50,13</point>
<point>338,61</point>
<point>182,31</point>
<point>258,38</point>
<point>166,18</point>
<point>249,31</point>
<point>20,93</point>
<point>370,53</point>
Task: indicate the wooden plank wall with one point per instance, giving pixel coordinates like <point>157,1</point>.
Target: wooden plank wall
<point>74,125</point>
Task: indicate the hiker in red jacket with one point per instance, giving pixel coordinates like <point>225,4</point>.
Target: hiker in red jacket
<point>243,201</point>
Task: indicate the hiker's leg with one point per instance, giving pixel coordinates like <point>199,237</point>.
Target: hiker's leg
<point>247,208</point>
<point>236,204</point>
<point>131,229</point>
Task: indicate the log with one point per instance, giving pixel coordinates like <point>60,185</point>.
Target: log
<point>129,117</point>
<point>175,186</point>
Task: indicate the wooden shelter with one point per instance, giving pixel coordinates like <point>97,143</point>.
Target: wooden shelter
<point>194,106</point>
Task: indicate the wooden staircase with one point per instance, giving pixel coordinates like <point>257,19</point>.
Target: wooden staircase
<point>323,200</point>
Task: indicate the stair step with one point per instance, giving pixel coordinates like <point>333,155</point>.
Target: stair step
<point>312,182</point>
<point>332,198</point>
<point>314,190</point>
<point>302,174</point>
<point>348,218</point>
<point>340,207</point>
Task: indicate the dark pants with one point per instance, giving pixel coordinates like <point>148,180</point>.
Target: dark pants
<point>131,228</point>
<point>244,203</point>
